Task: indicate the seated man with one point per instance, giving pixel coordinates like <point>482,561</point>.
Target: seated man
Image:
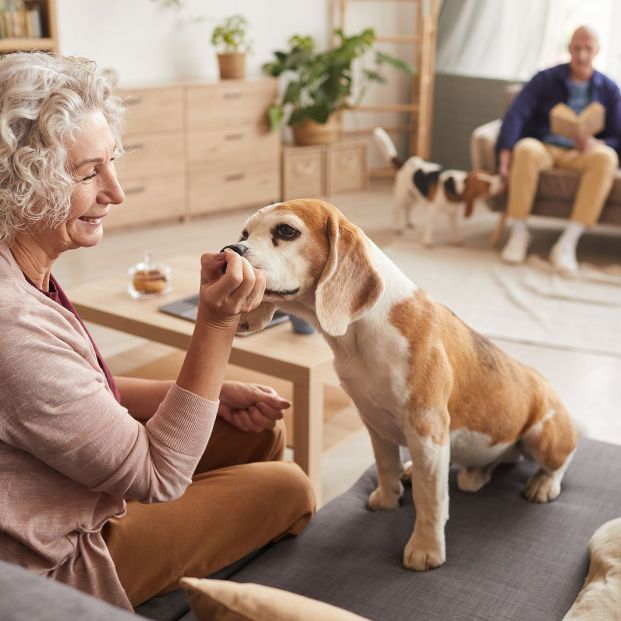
<point>526,146</point>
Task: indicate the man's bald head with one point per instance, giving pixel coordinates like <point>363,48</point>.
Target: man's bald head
<point>583,48</point>
<point>585,32</point>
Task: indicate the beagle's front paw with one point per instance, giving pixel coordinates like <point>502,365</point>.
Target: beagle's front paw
<point>542,487</point>
<point>382,499</point>
<point>421,554</point>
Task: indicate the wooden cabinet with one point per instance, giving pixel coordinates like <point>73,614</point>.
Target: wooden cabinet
<point>196,149</point>
<point>233,159</point>
<point>323,170</point>
<point>32,26</point>
<point>153,169</point>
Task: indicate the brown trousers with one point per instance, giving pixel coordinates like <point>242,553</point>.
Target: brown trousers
<point>241,498</point>
<point>597,168</point>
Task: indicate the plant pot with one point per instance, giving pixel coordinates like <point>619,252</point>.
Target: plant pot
<point>232,66</point>
<point>309,132</point>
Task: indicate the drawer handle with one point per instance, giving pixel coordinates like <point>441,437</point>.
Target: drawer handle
<point>235,177</point>
<point>348,160</point>
<point>137,189</point>
<point>234,136</point>
<point>132,100</point>
<point>233,95</point>
<point>134,146</point>
<point>306,168</point>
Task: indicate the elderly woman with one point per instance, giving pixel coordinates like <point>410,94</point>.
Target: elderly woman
<point>116,486</point>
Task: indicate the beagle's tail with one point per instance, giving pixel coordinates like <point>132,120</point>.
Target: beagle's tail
<point>387,147</point>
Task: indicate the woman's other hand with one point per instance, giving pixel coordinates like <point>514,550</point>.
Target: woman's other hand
<point>229,286</point>
<point>251,407</point>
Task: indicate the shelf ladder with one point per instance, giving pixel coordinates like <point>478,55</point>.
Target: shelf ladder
<point>420,106</point>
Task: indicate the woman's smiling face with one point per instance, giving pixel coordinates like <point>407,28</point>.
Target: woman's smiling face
<point>91,162</point>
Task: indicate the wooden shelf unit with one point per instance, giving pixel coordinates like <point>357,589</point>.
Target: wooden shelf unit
<point>48,43</point>
<point>420,106</point>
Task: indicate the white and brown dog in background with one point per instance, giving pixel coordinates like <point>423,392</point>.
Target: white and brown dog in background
<point>419,182</point>
<point>418,375</point>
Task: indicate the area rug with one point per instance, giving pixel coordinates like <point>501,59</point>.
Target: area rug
<point>527,304</point>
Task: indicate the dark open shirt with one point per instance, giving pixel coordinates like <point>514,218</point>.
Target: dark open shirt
<point>58,295</point>
<point>529,114</point>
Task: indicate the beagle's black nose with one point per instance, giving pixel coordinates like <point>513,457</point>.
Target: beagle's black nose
<point>238,248</point>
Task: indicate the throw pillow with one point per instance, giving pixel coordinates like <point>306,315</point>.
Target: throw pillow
<point>601,593</point>
<point>221,600</point>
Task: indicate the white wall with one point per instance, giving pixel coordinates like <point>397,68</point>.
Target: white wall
<point>147,43</point>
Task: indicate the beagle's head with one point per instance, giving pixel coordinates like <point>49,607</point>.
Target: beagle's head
<point>470,187</point>
<point>310,254</point>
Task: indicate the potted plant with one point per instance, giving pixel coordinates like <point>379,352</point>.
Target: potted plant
<point>230,38</point>
<point>322,83</point>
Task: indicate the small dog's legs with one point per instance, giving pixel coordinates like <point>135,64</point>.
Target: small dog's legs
<point>389,470</point>
<point>426,547</point>
<point>432,209</point>
<point>551,442</point>
<point>402,214</point>
<point>454,233</point>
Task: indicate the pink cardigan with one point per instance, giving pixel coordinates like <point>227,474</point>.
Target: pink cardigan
<point>69,453</point>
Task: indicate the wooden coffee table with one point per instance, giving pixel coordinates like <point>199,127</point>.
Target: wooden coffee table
<point>304,360</point>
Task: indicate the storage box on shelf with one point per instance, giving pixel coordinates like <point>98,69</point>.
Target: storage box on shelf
<point>323,170</point>
<point>194,149</point>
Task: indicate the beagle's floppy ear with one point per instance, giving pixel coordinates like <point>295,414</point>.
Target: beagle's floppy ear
<point>349,285</point>
<point>256,319</point>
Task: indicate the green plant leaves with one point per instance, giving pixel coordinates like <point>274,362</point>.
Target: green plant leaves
<point>231,35</point>
<point>321,83</point>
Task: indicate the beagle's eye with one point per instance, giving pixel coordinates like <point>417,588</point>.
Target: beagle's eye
<point>284,231</point>
<point>244,235</point>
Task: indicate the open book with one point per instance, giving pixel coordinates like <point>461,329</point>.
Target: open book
<point>564,121</point>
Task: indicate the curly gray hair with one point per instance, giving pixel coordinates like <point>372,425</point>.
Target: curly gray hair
<point>43,101</point>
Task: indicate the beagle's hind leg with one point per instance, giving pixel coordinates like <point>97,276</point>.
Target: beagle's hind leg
<point>473,478</point>
<point>551,442</point>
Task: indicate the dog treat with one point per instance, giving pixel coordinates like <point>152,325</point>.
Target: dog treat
<point>148,278</point>
<point>150,281</point>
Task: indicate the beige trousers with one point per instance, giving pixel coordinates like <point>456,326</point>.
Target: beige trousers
<point>242,497</point>
<point>530,157</point>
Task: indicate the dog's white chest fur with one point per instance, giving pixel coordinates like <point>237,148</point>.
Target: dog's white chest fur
<point>373,360</point>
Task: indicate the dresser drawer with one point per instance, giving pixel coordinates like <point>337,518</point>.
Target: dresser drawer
<point>230,104</point>
<point>216,189</point>
<point>347,168</point>
<point>153,109</point>
<point>303,173</point>
<point>211,147</point>
<point>152,154</point>
<point>149,200</point>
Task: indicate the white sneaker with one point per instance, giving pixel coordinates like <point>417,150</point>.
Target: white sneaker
<point>563,257</point>
<point>515,249</point>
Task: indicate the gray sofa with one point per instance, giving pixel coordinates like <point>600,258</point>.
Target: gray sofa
<point>507,559</point>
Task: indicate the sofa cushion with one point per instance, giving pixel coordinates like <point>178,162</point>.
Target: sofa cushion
<point>221,600</point>
<point>600,597</point>
<point>507,558</point>
<point>24,596</point>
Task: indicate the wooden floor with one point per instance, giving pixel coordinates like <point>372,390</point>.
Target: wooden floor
<point>588,383</point>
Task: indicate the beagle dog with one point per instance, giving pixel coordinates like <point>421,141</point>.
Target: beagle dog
<point>425,183</point>
<point>418,375</point>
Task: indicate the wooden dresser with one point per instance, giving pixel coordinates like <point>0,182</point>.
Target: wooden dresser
<point>193,149</point>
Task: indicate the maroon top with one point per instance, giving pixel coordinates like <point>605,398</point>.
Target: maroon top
<point>58,295</point>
